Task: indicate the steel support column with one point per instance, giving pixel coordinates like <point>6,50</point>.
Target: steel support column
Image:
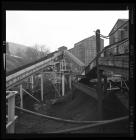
<point>121,85</point>
<point>63,84</point>
<point>99,89</point>
<point>42,86</point>
<point>32,81</point>
<point>11,113</point>
<point>105,84</point>
<point>21,96</point>
<point>70,87</point>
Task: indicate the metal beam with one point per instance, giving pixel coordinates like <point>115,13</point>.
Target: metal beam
<point>31,95</point>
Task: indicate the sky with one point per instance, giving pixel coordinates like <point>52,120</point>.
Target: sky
<point>58,28</point>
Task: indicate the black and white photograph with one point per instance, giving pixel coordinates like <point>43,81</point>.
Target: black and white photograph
<point>67,72</point>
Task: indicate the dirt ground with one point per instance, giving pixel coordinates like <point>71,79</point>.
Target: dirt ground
<point>79,106</point>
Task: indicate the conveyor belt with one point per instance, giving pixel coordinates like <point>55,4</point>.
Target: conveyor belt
<point>30,64</point>
<point>17,75</point>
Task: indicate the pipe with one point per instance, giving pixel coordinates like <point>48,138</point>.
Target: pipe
<point>90,125</point>
<point>58,119</point>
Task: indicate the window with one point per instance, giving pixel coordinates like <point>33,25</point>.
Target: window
<point>122,34</point>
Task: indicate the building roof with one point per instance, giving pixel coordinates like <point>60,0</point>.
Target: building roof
<point>92,37</point>
<point>124,20</point>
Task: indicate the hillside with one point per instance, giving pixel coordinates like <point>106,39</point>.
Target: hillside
<point>18,55</point>
<point>13,62</point>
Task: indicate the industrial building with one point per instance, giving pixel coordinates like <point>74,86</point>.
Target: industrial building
<point>121,34</point>
<point>85,50</point>
<point>118,33</point>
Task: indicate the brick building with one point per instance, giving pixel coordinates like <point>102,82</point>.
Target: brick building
<point>85,50</point>
<point>120,34</point>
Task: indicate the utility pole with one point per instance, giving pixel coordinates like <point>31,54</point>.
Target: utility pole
<point>99,89</point>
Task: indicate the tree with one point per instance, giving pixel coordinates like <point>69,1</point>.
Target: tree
<point>41,50</point>
<point>36,52</point>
